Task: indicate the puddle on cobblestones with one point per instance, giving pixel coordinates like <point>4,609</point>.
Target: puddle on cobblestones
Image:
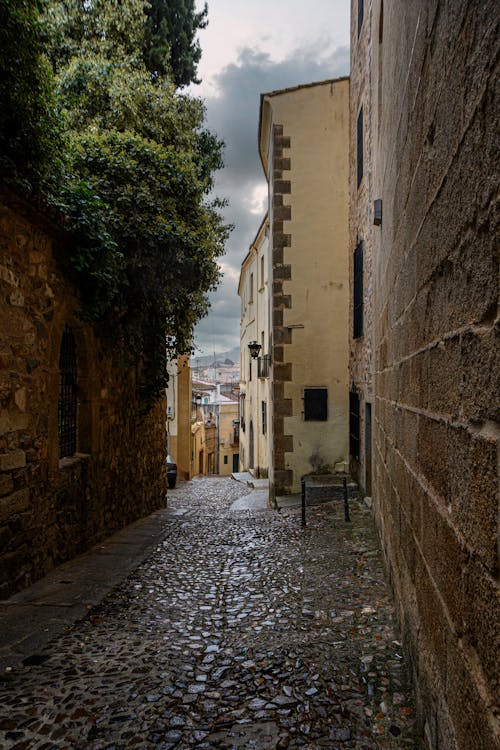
<point>240,631</point>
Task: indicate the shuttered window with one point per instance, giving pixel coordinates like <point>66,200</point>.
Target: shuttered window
<point>358,292</point>
<point>316,404</point>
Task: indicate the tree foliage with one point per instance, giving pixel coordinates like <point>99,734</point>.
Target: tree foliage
<point>31,139</point>
<point>170,43</point>
<point>134,168</point>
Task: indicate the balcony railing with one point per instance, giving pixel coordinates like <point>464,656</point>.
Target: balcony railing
<point>263,366</point>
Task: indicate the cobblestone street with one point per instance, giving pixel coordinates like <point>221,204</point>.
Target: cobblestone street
<point>239,630</point>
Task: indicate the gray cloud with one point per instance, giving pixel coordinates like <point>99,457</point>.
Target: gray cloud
<point>233,115</point>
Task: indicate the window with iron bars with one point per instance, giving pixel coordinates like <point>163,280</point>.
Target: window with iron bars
<point>264,417</point>
<point>358,292</point>
<point>68,403</point>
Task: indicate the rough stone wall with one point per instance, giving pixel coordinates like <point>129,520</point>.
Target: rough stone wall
<point>361,224</point>
<point>436,349</point>
<point>282,370</point>
<point>52,509</point>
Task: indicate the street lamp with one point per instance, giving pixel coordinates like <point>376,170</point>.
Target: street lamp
<point>254,349</point>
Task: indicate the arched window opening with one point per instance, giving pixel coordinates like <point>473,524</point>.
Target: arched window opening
<point>68,404</point>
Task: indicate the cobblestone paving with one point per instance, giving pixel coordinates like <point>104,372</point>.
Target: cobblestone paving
<point>241,630</point>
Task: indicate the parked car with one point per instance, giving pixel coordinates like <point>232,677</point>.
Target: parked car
<point>171,472</point>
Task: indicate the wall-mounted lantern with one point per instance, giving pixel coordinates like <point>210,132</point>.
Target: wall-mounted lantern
<point>254,349</point>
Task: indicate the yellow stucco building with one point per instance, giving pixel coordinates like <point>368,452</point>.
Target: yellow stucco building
<point>304,148</point>
<point>255,394</point>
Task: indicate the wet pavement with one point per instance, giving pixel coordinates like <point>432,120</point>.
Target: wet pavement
<point>240,629</point>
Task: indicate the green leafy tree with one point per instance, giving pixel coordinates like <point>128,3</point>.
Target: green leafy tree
<point>30,122</point>
<point>141,166</point>
<point>170,43</point>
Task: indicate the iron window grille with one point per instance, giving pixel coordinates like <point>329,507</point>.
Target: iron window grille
<point>68,402</point>
<point>316,404</point>
<point>354,425</point>
<point>358,292</point>
<point>264,417</point>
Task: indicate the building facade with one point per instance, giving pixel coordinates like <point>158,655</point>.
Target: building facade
<point>78,458</point>
<point>255,391</point>
<point>178,414</point>
<point>425,78</point>
<point>303,144</point>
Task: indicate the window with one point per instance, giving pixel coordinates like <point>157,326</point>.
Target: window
<point>263,366</point>
<point>68,404</point>
<point>316,404</point>
<point>250,299</point>
<point>242,411</point>
<point>360,146</point>
<point>236,432</point>
<point>361,9</point>
<point>358,292</point>
<point>264,417</point>
<point>354,425</point>
<point>225,459</point>
<point>262,279</point>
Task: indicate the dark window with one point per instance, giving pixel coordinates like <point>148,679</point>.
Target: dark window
<point>316,404</point>
<point>361,9</point>
<point>225,459</point>
<point>236,431</point>
<point>358,292</point>
<point>264,417</point>
<point>354,425</point>
<point>263,366</point>
<point>242,412</point>
<point>67,406</point>
<point>360,145</point>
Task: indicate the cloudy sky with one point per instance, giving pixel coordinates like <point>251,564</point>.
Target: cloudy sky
<point>250,47</point>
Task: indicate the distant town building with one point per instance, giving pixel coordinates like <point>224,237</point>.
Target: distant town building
<point>215,430</point>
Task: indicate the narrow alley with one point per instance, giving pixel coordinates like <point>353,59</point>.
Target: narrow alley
<point>240,629</point>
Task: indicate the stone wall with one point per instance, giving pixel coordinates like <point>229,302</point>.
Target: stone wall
<point>436,353</point>
<point>361,230</point>
<point>50,508</point>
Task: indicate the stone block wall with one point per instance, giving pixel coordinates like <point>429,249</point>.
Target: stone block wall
<point>436,429</point>
<point>51,509</point>
<point>361,230</point>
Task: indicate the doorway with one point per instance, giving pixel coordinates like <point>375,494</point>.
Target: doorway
<point>368,450</point>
